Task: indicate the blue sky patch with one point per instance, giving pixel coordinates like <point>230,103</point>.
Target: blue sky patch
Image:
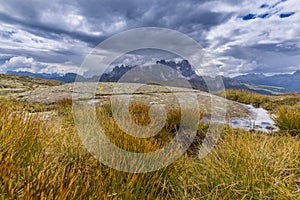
<point>285,15</point>
<point>264,6</point>
<point>249,17</point>
<point>263,15</point>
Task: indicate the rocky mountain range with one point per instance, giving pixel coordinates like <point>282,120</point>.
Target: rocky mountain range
<point>287,82</point>
<point>258,83</point>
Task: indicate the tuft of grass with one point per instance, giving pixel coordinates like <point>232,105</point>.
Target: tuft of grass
<point>65,102</point>
<point>288,119</point>
<point>244,165</point>
<point>139,113</point>
<point>17,106</point>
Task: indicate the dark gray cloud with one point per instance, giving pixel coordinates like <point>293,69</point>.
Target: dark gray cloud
<point>100,16</point>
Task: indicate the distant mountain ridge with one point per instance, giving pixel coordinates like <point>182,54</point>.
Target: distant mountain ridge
<point>290,82</point>
<point>258,83</point>
<point>67,78</point>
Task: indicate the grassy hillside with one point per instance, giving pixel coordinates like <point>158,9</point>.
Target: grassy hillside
<point>17,84</point>
<point>268,102</point>
<point>46,160</point>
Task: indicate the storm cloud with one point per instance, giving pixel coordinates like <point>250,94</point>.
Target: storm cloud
<point>240,36</point>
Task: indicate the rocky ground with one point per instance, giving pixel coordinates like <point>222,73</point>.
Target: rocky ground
<point>101,92</point>
<point>49,92</point>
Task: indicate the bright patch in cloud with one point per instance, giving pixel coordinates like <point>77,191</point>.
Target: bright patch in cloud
<point>20,63</point>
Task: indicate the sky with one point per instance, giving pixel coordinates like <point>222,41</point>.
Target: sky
<point>241,36</point>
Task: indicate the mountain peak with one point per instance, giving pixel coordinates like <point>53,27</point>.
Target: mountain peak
<point>183,67</point>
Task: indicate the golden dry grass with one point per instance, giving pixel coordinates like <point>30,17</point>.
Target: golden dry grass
<point>288,119</point>
<point>268,102</point>
<point>46,160</point>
